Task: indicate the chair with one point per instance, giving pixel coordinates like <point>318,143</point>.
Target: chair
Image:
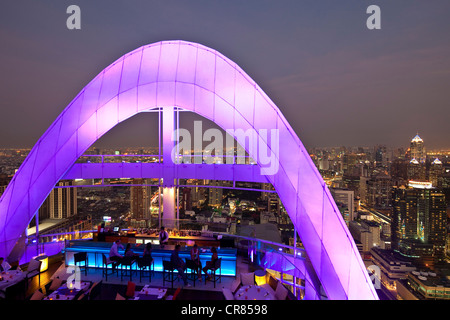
<point>82,297</point>
<point>14,265</point>
<point>81,257</point>
<point>175,295</point>
<point>131,289</point>
<point>281,292</point>
<point>94,291</point>
<point>143,263</point>
<point>127,262</point>
<point>193,269</point>
<point>120,297</point>
<point>34,269</point>
<point>227,294</point>
<point>216,277</point>
<point>16,291</point>
<point>168,272</point>
<point>248,279</point>
<point>106,263</point>
<point>235,285</point>
<point>53,285</point>
<point>37,295</point>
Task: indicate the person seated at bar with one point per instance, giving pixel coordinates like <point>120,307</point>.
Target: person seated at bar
<point>163,237</point>
<point>195,256</point>
<point>114,254</point>
<point>179,264</point>
<point>4,265</point>
<point>129,252</point>
<point>148,252</point>
<point>211,264</point>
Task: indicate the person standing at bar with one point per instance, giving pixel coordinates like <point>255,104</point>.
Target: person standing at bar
<point>163,237</point>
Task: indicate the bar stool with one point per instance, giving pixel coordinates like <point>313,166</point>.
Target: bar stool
<point>216,277</point>
<point>143,264</point>
<point>81,257</point>
<point>193,269</point>
<point>127,262</point>
<point>168,272</point>
<point>106,263</point>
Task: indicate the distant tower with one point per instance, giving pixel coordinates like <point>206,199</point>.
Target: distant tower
<point>140,197</point>
<point>61,203</point>
<point>417,150</point>
<point>436,173</point>
<point>416,170</point>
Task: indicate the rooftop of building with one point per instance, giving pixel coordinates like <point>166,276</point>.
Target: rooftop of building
<point>417,139</point>
<point>430,278</point>
<point>392,257</point>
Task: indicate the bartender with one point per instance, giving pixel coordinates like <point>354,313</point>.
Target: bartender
<point>163,237</point>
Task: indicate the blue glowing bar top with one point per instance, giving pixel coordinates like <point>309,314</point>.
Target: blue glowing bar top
<point>95,249</point>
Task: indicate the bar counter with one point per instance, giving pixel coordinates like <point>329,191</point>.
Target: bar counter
<point>95,249</point>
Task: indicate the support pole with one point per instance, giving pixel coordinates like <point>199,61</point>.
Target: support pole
<point>168,174</point>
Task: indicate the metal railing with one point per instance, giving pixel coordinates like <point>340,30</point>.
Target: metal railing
<point>179,159</point>
<point>286,263</point>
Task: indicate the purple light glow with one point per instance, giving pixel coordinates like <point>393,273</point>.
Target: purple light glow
<point>198,79</point>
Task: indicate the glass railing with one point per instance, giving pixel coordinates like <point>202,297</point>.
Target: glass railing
<point>179,159</point>
<point>287,264</point>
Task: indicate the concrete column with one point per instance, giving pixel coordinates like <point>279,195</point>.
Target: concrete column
<point>168,174</point>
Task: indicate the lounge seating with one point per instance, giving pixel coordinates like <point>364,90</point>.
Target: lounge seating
<point>175,295</point>
<point>131,289</point>
<point>34,269</point>
<point>94,291</point>
<point>37,295</point>
<point>276,288</point>
<point>248,279</point>
<point>53,285</point>
<point>228,294</point>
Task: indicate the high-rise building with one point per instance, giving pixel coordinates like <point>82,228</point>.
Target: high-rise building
<point>378,194</point>
<point>416,170</point>
<point>419,219</point>
<point>417,150</point>
<point>61,203</point>
<point>215,194</point>
<point>399,169</point>
<point>436,173</point>
<point>140,200</point>
<point>345,201</point>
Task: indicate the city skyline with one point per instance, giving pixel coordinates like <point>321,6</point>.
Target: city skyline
<point>337,82</point>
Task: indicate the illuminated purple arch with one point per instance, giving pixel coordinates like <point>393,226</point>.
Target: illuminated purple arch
<point>201,80</point>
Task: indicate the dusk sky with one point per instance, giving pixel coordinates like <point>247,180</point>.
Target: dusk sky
<point>337,82</point>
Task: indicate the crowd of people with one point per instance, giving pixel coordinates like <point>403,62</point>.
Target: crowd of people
<point>178,263</point>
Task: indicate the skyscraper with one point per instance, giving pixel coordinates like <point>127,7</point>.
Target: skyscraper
<point>417,150</point>
<point>419,219</point>
<point>61,203</point>
<point>416,170</point>
<point>140,197</point>
<point>436,173</point>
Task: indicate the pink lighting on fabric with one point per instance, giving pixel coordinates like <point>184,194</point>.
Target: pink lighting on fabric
<point>195,78</point>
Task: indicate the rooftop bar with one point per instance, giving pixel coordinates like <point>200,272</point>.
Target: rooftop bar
<point>94,250</point>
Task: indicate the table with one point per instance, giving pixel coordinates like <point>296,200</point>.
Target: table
<point>253,293</point>
<point>9,278</point>
<point>148,293</point>
<point>64,293</point>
